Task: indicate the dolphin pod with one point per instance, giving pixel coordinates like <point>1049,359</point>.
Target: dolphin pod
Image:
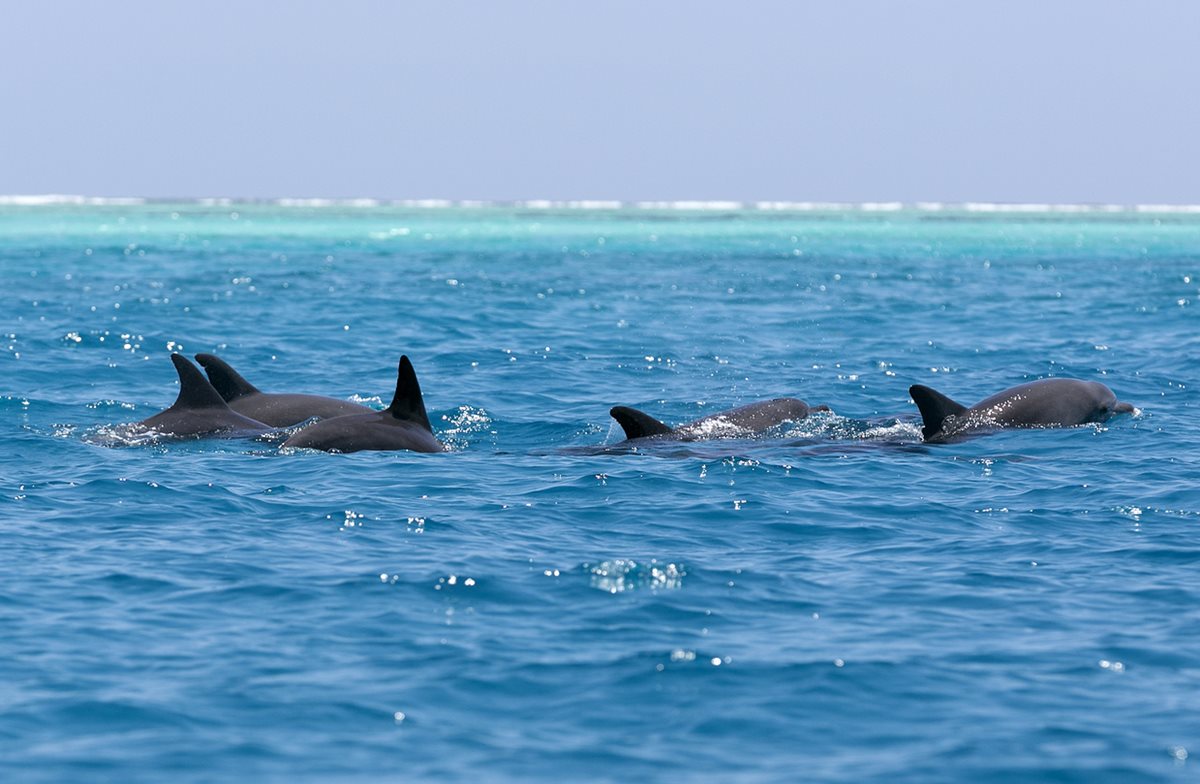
<point>225,404</point>
<point>202,410</point>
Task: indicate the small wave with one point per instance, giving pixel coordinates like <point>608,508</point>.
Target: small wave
<point>715,427</point>
<point>135,434</point>
<point>465,424</point>
<point>110,404</point>
<point>14,403</point>
<point>897,431</point>
<point>619,575</point>
<point>686,656</point>
<point>400,231</point>
<point>837,428</point>
<point>125,435</point>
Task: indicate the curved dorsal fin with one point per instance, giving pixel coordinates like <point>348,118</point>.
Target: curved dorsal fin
<point>194,389</point>
<point>228,383</point>
<point>407,403</point>
<point>637,424</point>
<point>935,407</point>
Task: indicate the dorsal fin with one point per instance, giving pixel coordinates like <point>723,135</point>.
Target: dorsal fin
<point>407,403</point>
<point>228,383</point>
<point>637,424</point>
<point>935,407</point>
<point>194,389</point>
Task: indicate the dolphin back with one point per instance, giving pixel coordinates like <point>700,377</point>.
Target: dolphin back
<point>638,424</point>
<point>1052,402</point>
<point>758,417</point>
<point>227,381</point>
<point>935,408</point>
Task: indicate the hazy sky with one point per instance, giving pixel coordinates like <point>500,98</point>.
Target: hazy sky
<point>843,100</point>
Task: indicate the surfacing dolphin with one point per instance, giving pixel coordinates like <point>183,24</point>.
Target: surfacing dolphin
<point>738,422</point>
<point>199,410</point>
<point>402,425</point>
<point>276,410</point>
<point>1050,402</point>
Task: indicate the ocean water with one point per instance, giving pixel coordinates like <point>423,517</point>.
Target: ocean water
<point>833,602</point>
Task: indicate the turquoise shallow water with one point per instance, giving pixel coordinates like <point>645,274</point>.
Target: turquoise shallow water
<point>837,602</point>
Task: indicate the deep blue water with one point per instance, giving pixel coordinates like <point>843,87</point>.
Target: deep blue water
<point>835,603</point>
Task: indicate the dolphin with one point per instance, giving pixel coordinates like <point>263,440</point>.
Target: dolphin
<point>402,425</point>
<point>199,410</point>
<point>276,410</point>
<point>734,423</point>
<point>1050,402</point>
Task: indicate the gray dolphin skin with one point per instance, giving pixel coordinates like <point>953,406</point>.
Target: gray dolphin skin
<point>199,410</point>
<point>276,410</point>
<point>1050,402</point>
<point>402,425</point>
<point>734,423</point>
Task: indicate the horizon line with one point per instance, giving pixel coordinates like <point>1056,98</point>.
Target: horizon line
<point>766,205</point>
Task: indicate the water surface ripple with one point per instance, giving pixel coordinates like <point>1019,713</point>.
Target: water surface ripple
<point>837,602</point>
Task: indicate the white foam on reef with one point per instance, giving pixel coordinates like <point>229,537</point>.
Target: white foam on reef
<point>803,206</point>
<point>574,204</point>
<point>690,205</point>
<point>306,202</point>
<point>973,206</point>
<point>429,204</point>
<point>1169,208</point>
<point>52,199</point>
<point>680,205</point>
<point>321,202</point>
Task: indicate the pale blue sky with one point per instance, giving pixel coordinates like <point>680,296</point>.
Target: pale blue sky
<point>940,100</point>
